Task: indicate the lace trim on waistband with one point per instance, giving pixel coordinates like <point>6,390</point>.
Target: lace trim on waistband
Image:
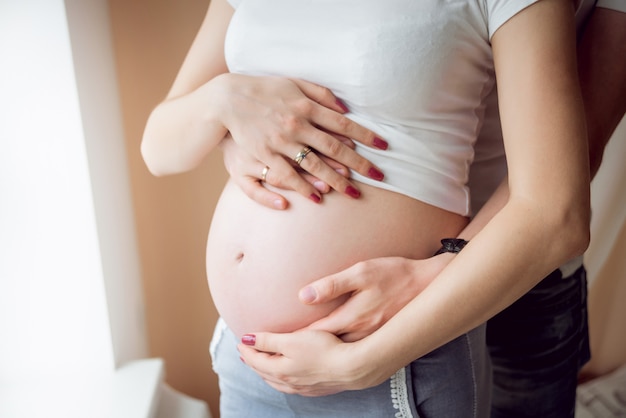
<point>399,394</point>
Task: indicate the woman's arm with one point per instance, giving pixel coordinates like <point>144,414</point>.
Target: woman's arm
<point>177,136</point>
<point>273,118</point>
<point>544,222</point>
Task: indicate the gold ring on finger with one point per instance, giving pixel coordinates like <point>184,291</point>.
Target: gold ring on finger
<point>264,173</point>
<point>302,155</point>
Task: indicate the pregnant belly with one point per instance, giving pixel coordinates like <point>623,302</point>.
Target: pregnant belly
<point>258,258</point>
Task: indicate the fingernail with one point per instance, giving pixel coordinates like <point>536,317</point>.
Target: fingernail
<point>380,143</point>
<point>352,192</point>
<point>278,204</point>
<point>248,339</point>
<point>308,294</point>
<point>342,106</point>
<point>375,174</point>
<point>342,171</point>
<point>320,186</point>
<point>315,198</point>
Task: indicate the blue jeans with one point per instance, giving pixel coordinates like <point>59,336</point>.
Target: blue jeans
<point>452,381</point>
<point>537,347</point>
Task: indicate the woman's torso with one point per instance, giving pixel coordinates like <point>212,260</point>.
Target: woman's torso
<point>259,258</point>
<point>414,72</point>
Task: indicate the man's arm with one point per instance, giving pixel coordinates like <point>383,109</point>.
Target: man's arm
<point>601,53</point>
<point>602,71</point>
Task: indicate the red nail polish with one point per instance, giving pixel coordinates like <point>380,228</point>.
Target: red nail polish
<point>375,174</point>
<point>380,143</point>
<point>352,192</point>
<point>342,106</point>
<point>248,339</point>
<point>315,198</point>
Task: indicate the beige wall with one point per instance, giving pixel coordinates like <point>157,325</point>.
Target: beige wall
<point>172,213</point>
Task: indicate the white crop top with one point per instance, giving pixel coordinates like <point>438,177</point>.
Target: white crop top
<point>416,72</point>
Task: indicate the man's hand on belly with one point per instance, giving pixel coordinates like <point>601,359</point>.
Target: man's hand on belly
<point>377,289</point>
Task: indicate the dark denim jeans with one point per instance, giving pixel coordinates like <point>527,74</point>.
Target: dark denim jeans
<point>537,347</point>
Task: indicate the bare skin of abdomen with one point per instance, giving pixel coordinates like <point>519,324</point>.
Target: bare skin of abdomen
<point>258,258</point>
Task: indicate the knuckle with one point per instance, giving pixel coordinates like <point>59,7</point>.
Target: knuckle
<point>307,107</point>
<point>329,288</point>
<point>263,148</point>
<point>361,268</point>
<point>285,378</point>
<point>296,183</point>
<point>345,124</point>
<point>334,148</point>
<point>326,94</point>
<point>290,123</point>
<point>362,165</point>
<point>277,180</point>
<point>313,164</point>
<point>283,140</point>
<point>304,106</point>
<point>368,136</point>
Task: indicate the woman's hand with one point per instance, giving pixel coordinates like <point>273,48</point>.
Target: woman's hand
<point>307,362</point>
<point>274,119</point>
<point>378,289</point>
<point>250,175</point>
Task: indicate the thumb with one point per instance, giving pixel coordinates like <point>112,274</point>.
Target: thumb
<point>266,342</point>
<point>327,288</point>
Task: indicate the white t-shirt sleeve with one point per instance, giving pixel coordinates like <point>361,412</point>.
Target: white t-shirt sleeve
<point>500,11</point>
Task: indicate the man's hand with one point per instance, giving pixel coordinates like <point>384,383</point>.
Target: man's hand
<point>378,289</point>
